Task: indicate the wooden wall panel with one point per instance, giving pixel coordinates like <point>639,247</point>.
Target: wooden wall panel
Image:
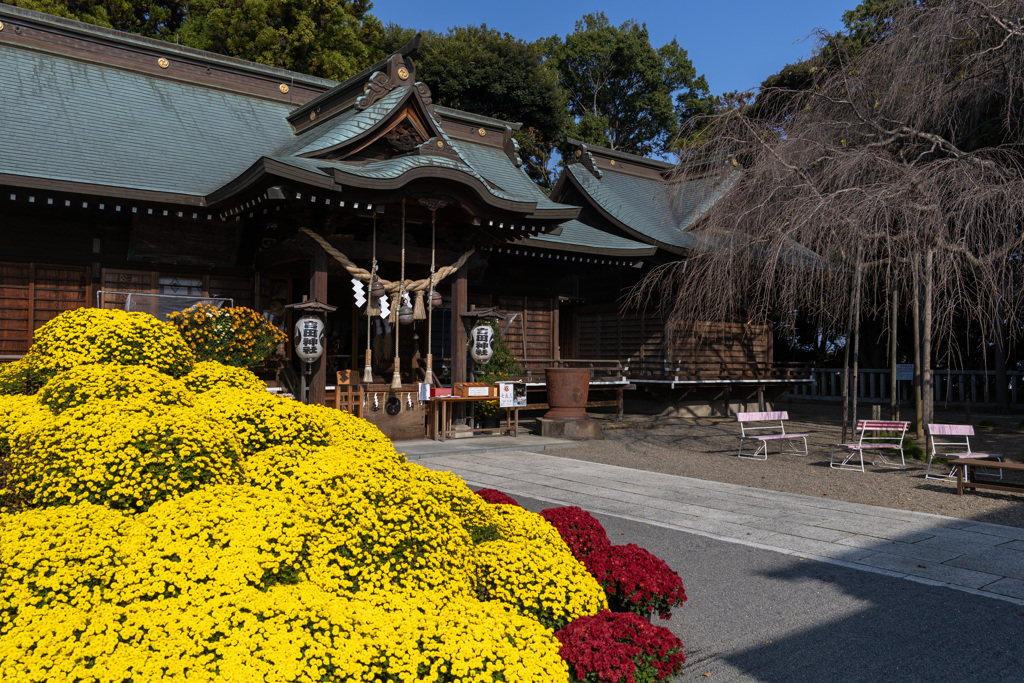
<point>33,294</point>
<point>536,318</point>
<point>240,289</point>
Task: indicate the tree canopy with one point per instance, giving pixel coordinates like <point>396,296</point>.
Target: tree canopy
<point>328,38</point>
<point>620,88</point>
<point>898,170</point>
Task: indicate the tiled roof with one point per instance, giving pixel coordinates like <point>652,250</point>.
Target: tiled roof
<point>347,125</point>
<point>63,119</point>
<point>494,165</point>
<point>647,206</point>
<point>580,237</point>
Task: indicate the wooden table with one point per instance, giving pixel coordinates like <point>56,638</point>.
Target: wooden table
<point>440,413</point>
<point>964,482</point>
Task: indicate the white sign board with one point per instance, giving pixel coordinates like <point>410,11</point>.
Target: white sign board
<point>904,371</point>
<point>478,391</point>
<point>511,394</point>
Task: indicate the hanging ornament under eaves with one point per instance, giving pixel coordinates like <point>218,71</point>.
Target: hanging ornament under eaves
<point>405,312</point>
<point>377,289</point>
<point>358,292</point>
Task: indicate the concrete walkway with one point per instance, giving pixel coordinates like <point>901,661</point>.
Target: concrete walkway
<point>974,557</point>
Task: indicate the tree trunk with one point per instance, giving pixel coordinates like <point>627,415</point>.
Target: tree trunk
<point>894,386</point>
<point>846,372</point>
<point>918,402</point>
<point>1002,381</point>
<point>928,386</point>
<point>856,338</point>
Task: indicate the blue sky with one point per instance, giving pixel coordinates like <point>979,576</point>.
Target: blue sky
<point>736,44</point>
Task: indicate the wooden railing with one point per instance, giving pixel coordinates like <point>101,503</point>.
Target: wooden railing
<point>952,387</point>
<point>599,369</point>
<point>680,370</point>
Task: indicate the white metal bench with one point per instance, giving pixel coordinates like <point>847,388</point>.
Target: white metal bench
<point>756,426</point>
<point>877,436</point>
<point>954,441</point>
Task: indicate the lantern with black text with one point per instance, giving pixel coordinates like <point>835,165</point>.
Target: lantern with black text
<point>309,338</point>
<point>482,340</point>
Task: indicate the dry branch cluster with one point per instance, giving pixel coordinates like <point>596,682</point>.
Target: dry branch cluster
<point>904,156</point>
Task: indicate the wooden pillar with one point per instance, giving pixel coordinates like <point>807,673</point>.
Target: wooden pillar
<point>460,335</point>
<point>318,291</point>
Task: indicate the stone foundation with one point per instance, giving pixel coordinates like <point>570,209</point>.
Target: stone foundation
<point>570,429</point>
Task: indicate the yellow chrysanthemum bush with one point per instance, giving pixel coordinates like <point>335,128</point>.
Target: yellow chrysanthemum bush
<point>83,336</point>
<point>530,568</point>
<point>381,530</point>
<point>209,374</point>
<point>164,521</point>
<point>110,381</point>
<point>123,454</point>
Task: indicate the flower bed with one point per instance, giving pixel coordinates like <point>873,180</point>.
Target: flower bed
<point>619,645</point>
<point>160,524</point>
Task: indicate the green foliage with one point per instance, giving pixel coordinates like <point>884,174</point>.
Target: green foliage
<point>912,449</point>
<point>328,38</point>
<point>150,18</point>
<point>500,367</point>
<point>483,71</point>
<point>621,88</point>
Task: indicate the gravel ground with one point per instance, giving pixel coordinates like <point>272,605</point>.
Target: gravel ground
<point>705,448</point>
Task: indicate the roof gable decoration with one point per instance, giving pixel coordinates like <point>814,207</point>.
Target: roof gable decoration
<point>401,71</point>
<point>511,147</point>
<point>583,157</point>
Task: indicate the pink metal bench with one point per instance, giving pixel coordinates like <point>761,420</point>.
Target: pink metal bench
<point>756,426</point>
<point>954,441</point>
<point>877,436</point>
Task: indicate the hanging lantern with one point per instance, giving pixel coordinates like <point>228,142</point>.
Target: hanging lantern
<point>435,299</point>
<point>405,314</point>
<point>309,338</point>
<point>376,290</point>
<point>482,340</point>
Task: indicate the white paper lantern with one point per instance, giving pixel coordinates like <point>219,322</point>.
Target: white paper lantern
<point>481,343</point>
<point>309,338</point>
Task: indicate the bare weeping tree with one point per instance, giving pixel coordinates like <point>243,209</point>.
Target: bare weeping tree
<point>892,182</point>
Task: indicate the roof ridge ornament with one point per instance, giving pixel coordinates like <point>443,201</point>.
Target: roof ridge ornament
<point>583,157</point>
<point>437,146</point>
<point>400,70</point>
<point>511,146</point>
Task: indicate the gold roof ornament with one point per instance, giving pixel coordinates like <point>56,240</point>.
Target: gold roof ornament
<point>284,88</point>
<point>163,63</point>
<point>482,132</point>
<point>403,73</point>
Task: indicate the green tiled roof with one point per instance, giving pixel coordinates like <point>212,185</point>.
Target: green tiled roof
<point>67,120</point>
<point>347,125</point>
<point>649,207</point>
<point>494,164</point>
<point>577,236</point>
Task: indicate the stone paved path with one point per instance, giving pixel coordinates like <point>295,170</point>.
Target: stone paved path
<point>975,557</point>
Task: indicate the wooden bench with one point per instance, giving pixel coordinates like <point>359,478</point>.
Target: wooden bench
<point>877,436</point>
<point>954,441</point>
<point>964,480</point>
<point>765,427</point>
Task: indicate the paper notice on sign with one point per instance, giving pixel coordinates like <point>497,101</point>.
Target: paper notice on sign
<point>478,391</point>
<point>904,372</point>
<point>511,395</point>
